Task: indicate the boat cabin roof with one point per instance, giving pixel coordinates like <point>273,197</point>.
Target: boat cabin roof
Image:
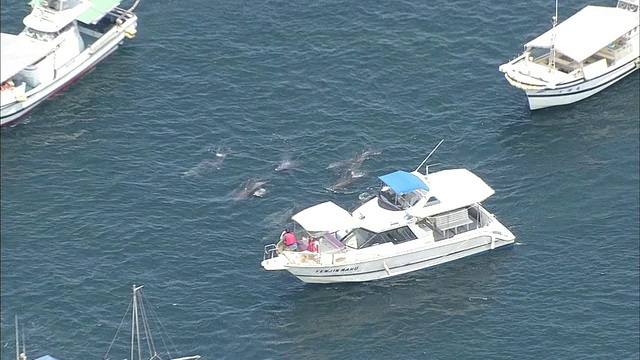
<point>19,51</point>
<point>327,216</point>
<point>97,10</point>
<point>402,182</point>
<point>53,15</point>
<point>453,189</point>
<point>588,31</point>
<point>46,357</point>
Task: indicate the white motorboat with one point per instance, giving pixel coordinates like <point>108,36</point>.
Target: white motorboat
<point>62,41</point>
<point>142,315</point>
<point>416,221</point>
<point>579,57</point>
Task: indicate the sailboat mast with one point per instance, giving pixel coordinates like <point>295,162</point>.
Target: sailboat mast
<point>24,349</point>
<point>17,341</point>
<point>133,320</point>
<point>135,309</point>
<point>552,55</point>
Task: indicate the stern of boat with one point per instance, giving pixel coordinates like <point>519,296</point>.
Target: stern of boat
<point>272,260</point>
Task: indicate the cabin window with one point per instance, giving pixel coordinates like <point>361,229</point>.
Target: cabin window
<point>377,239</point>
<point>625,6</point>
<point>356,238</point>
<point>400,235</point>
<point>65,28</point>
<point>411,199</point>
<point>396,236</point>
<point>361,238</point>
<point>537,54</point>
<point>432,201</point>
<point>39,35</point>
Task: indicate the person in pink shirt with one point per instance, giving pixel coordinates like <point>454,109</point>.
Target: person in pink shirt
<point>290,240</point>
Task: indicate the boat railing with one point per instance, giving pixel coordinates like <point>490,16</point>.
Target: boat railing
<point>270,251</point>
<point>120,14</point>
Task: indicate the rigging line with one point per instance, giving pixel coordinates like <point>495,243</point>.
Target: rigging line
<point>166,334</point>
<point>119,326</point>
<point>147,328</point>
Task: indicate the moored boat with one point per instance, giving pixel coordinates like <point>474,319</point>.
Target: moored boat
<point>583,55</point>
<point>62,41</point>
<point>416,221</point>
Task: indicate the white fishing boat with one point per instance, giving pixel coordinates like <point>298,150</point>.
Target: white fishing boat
<point>23,355</point>
<point>62,41</point>
<point>142,315</point>
<point>581,56</point>
<point>416,221</point>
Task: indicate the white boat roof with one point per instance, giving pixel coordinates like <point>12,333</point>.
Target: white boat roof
<point>48,20</point>
<point>588,31</point>
<point>455,188</point>
<point>327,216</point>
<point>18,52</point>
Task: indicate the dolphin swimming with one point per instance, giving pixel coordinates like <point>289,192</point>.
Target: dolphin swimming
<point>252,187</point>
<point>345,180</point>
<point>355,162</point>
<point>207,165</point>
<point>287,164</point>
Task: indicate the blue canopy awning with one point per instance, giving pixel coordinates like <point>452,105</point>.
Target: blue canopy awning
<point>403,182</point>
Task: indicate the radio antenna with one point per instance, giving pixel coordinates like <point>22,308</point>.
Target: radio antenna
<point>428,156</point>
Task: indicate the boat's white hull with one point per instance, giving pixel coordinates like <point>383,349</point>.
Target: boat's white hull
<point>402,263</point>
<point>577,90</point>
<point>84,63</point>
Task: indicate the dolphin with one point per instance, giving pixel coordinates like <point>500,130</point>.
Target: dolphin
<point>360,158</point>
<point>252,187</point>
<point>344,181</point>
<point>353,163</point>
<point>287,164</point>
<point>202,167</point>
<point>207,164</point>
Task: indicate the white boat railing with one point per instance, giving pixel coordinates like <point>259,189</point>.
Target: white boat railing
<point>270,251</point>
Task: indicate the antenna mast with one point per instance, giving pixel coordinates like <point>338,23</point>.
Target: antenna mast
<point>428,156</point>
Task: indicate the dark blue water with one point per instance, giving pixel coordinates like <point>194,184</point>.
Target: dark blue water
<point>112,183</point>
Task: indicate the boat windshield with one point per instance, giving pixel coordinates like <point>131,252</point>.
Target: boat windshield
<point>390,200</point>
<point>356,238</point>
<point>628,5</point>
<point>39,35</point>
<point>361,238</point>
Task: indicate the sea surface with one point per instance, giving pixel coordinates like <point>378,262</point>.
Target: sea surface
<point>117,181</point>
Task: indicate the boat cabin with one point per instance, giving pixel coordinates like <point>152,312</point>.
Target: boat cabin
<point>402,190</point>
<point>561,54</point>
